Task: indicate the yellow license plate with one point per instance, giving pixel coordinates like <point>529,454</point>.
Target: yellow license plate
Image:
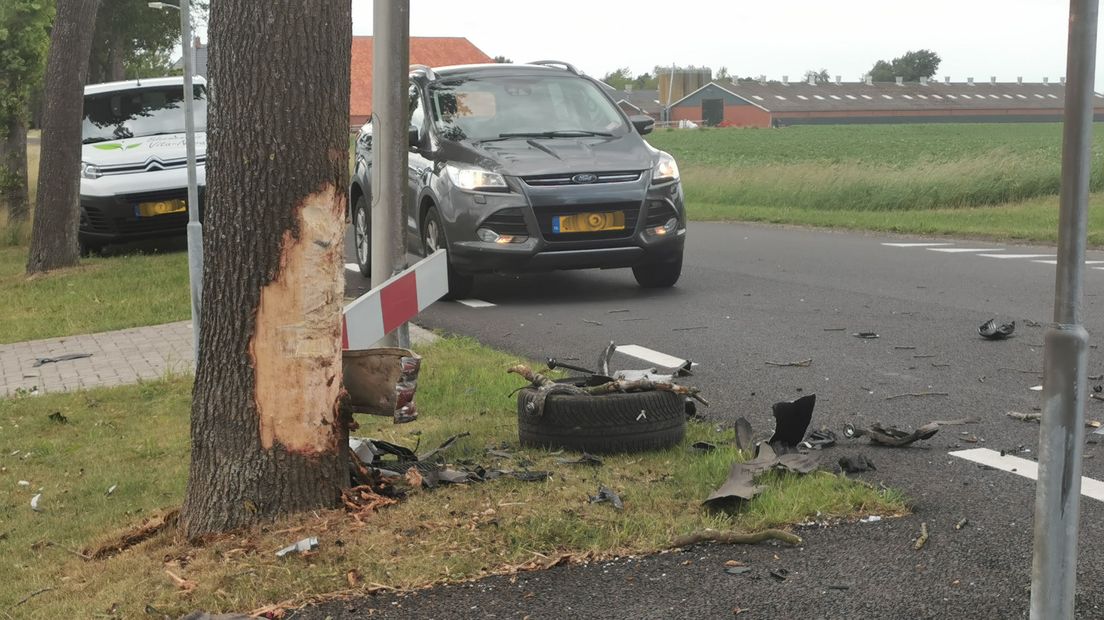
<point>588,222</point>
<point>162,207</point>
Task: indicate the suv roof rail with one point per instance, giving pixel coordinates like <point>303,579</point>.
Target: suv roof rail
<point>424,69</point>
<point>556,63</point>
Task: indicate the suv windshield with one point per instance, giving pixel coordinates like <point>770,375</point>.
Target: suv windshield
<point>140,112</point>
<point>531,106</point>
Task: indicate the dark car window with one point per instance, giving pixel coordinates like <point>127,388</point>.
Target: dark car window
<point>486,108</point>
<point>140,112</point>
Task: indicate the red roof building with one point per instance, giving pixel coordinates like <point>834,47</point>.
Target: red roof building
<point>429,51</point>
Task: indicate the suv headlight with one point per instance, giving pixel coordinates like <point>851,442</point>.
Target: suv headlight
<point>90,171</point>
<point>665,169</point>
<point>476,179</point>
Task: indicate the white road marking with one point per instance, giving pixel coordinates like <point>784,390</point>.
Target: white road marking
<point>1022,467</point>
<point>1036,388</point>
<point>352,267</point>
<point>1017,255</point>
<point>913,245</point>
<point>475,303</point>
<point>661,360</point>
<point>961,250</point>
<point>1046,262</point>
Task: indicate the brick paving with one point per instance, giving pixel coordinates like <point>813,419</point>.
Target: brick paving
<point>118,358</point>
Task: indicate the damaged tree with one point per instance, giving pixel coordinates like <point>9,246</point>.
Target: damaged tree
<point>269,434</point>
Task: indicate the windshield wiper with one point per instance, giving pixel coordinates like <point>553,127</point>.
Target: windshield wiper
<point>562,133</point>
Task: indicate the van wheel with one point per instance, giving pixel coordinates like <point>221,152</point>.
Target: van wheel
<point>433,239</point>
<point>362,235</point>
<point>658,275</point>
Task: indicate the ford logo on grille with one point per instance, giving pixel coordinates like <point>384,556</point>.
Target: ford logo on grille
<point>583,178</point>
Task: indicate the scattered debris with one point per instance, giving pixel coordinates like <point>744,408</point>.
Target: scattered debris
<point>61,358</point>
<point>1031,323</point>
<point>687,329</point>
<point>916,394</point>
<point>58,417</point>
<point>111,490</point>
<point>740,484</point>
<point>303,546</point>
<point>554,363</point>
<point>24,483</point>
<point>905,348</point>
<point>892,436</point>
<point>1096,396</point>
<point>32,595</point>
<point>735,538</point>
<point>798,364</point>
<point>819,439</point>
<point>923,538</point>
<point>743,434</point>
<point>791,420</point>
<point>866,335</point>
<point>835,329</point>
<point>780,574</point>
<point>584,459</point>
<point>703,446</point>
<point>185,585</point>
<point>856,464</point>
<point>382,381</point>
<point>961,523</point>
<point>34,502</point>
<point>737,570</point>
<point>133,536</point>
<point>1025,417</point>
<point>991,331</point>
<point>606,494</point>
<point>592,322</point>
<point>870,519</point>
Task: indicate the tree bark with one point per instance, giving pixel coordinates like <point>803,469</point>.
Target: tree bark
<point>54,232</point>
<point>13,171</point>
<point>116,66</point>
<point>269,427</point>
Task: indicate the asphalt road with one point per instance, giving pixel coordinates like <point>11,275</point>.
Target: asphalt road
<point>753,294</point>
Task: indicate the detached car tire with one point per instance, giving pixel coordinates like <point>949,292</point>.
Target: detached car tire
<point>605,424</point>
<point>658,275</point>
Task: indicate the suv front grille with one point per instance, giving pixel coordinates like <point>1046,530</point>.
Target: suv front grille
<point>546,214</point>
<point>555,180</point>
<point>507,222</point>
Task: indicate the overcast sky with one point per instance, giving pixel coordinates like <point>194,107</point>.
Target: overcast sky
<point>975,38</point>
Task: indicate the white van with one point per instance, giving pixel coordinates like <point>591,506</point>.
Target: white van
<point>134,177</point>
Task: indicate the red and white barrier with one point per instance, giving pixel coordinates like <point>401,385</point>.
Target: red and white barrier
<point>373,315</point>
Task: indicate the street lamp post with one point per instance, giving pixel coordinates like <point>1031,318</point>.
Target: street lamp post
<point>195,229</point>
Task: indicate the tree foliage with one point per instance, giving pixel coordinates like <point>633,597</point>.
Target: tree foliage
<point>502,60</point>
<point>24,41</point>
<point>128,35</point>
<point>818,77</point>
<point>911,66</point>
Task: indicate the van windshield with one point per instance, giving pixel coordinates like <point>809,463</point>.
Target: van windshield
<point>140,112</point>
<point>530,106</point>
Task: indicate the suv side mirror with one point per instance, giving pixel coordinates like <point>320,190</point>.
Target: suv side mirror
<point>413,137</point>
<point>643,123</point>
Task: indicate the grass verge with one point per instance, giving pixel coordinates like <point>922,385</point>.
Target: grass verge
<point>101,294</point>
<point>136,437</point>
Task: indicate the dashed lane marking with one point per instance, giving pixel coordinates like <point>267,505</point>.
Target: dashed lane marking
<point>475,303</point>
<point>964,250</point>
<point>352,267</point>
<point>1022,467</point>
<point>914,245</point>
<point>661,360</point>
<point>1017,255</point>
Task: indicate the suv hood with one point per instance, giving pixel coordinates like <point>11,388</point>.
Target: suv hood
<point>537,156</point>
<point>164,147</point>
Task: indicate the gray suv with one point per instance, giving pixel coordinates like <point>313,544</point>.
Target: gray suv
<point>523,168</point>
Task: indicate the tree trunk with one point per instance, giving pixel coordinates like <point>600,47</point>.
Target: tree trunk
<point>13,171</point>
<point>115,66</point>
<point>269,425</point>
<point>54,233</point>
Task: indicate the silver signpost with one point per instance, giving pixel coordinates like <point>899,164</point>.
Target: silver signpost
<point>1061,435</point>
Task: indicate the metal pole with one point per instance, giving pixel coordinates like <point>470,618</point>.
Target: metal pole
<point>1065,361</point>
<point>195,230</point>
<point>390,156</point>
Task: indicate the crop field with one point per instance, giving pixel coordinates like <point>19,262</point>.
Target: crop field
<point>870,167</point>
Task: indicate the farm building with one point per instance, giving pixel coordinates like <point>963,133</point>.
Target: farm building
<point>776,104</point>
<point>639,102</point>
<point>430,51</point>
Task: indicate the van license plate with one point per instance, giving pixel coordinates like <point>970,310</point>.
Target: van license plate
<point>162,207</point>
<point>588,222</point>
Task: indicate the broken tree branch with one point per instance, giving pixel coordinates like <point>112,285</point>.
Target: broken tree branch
<point>923,536</point>
<point>735,538</point>
<point>32,595</point>
<point>917,394</point>
<point>644,385</point>
<point>799,363</point>
<point>1025,417</point>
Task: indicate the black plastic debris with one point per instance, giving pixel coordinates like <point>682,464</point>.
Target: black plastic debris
<point>866,335</point>
<point>606,494</point>
<point>743,434</point>
<point>791,420</point>
<point>584,459</point>
<point>892,436</point>
<point>703,446</point>
<point>856,464</point>
<point>819,439</point>
<point>60,358</point>
<point>302,546</point>
<point>59,417</point>
<point>780,574</point>
<point>991,331</point>
<point>740,484</point>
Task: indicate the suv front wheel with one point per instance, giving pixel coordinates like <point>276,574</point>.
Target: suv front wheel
<point>658,275</point>
<point>433,239</point>
<point>362,235</point>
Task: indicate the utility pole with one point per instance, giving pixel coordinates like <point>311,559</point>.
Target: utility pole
<point>1065,361</point>
<point>390,143</point>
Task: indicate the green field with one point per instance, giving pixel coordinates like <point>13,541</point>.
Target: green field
<point>999,180</point>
